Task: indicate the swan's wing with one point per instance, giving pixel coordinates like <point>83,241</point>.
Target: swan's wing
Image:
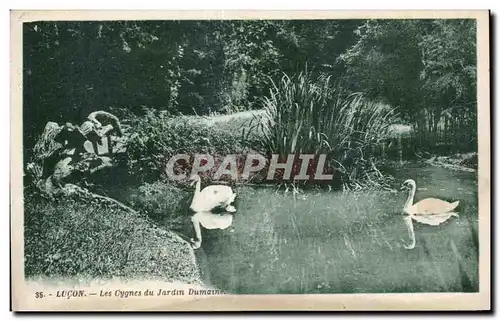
<point>211,197</point>
<point>216,189</point>
<point>219,192</point>
<point>430,206</point>
<point>434,219</point>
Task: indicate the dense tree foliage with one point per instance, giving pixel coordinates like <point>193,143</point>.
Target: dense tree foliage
<point>425,68</point>
<point>71,68</point>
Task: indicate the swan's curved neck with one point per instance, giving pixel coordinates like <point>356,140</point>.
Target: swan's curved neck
<point>409,201</point>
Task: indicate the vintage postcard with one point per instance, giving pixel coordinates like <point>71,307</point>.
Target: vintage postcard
<point>250,160</point>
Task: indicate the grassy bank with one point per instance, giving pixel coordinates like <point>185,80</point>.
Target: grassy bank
<point>91,239</point>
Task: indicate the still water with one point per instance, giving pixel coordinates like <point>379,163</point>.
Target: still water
<point>334,242</point>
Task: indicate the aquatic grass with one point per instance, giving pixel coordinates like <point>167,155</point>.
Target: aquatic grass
<point>315,115</point>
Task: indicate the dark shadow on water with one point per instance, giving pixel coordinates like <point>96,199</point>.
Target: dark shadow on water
<point>208,258</point>
<point>202,261</point>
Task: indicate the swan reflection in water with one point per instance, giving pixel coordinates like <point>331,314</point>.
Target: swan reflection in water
<point>430,211</point>
<point>205,202</point>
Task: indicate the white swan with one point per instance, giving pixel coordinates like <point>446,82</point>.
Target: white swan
<point>206,200</point>
<point>430,211</point>
<point>211,197</point>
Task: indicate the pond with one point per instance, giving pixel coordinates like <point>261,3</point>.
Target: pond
<point>334,242</point>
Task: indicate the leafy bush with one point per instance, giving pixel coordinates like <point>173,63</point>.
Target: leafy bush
<point>310,115</point>
<point>164,203</point>
<point>159,136</point>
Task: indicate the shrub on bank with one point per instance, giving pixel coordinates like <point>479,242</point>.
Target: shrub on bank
<point>166,204</point>
<point>159,136</point>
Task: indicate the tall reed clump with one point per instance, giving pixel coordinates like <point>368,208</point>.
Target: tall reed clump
<point>314,115</point>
